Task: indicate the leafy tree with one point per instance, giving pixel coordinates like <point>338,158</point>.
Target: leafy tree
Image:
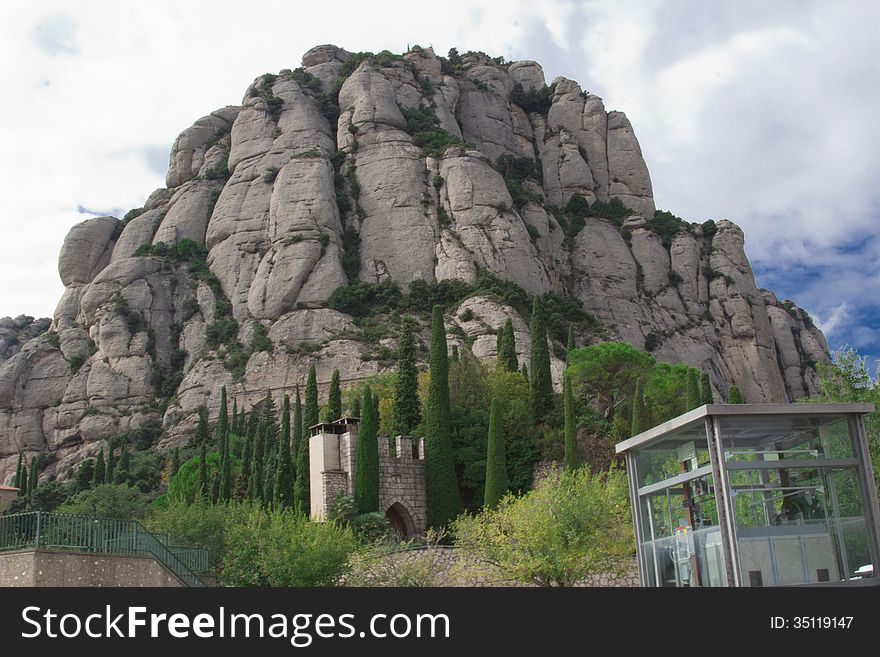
<point>184,486</point>
<point>108,501</point>
<point>607,373</point>
<point>406,411</point>
<point>571,526</point>
<point>440,482</point>
<point>572,456</point>
<point>705,389</point>
<point>366,480</point>
<point>197,523</point>
<point>496,459</point>
<point>283,548</point>
<point>100,470</point>
<point>665,390</point>
<point>85,473</point>
<point>640,421</point>
<point>507,348</point>
<point>734,396</point>
<point>301,459</point>
<point>310,412</point>
<point>539,366</point>
<point>693,398</point>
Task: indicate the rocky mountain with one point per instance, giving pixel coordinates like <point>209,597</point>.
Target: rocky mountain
<point>380,169</point>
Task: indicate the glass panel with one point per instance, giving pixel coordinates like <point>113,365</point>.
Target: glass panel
<point>798,525</point>
<point>683,541</point>
<point>682,452</point>
<point>773,437</point>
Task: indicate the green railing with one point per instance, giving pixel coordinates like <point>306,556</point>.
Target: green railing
<point>70,532</point>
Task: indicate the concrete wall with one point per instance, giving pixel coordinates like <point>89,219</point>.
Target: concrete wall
<point>67,568</point>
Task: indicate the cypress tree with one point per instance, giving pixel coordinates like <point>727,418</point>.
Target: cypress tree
<point>569,345</point>
<point>233,427</point>
<point>507,348</point>
<point>334,399</point>
<point>270,422</point>
<point>84,475</point>
<point>705,389</point>
<point>34,477</point>
<point>639,411</point>
<point>124,463</point>
<point>300,459</point>
<point>215,485</point>
<point>692,395</point>
<point>571,457</point>
<point>110,470</point>
<point>24,479</point>
<point>222,427</point>
<point>203,470</point>
<point>496,459</point>
<point>202,428</point>
<point>255,485</point>
<point>366,480</point>
<point>310,412</point>
<point>242,484</point>
<point>283,485</point>
<point>226,476</point>
<point>734,396</point>
<point>175,463</point>
<point>100,473</point>
<point>524,371</point>
<point>356,407</point>
<point>540,384</point>
<point>406,409</point>
<point>499,339</point>
<point>17,481</point>
<point>440,481</point>
<point>252,423</point>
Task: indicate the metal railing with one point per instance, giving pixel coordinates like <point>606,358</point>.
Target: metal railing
<point>40,529</point>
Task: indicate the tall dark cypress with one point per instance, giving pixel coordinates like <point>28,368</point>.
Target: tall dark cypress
<point>270,421</point>
<point>496,459</point>
<point>310,412</point>
<point>34,476</point>
<point>202,427</point>
<point>540,383</point>
<point>507,348</point>
<point>17,481</point>
<point>440,481</point>
<point>300,458</point>
<point>233,427</point>
<point>175,463</point>
<point>222,427</point>
<point>366,479</point>
<point>100,470</point>
<point>124,466</point>
<point>110,470</point>
<point>571,454</point>
<point>334,399</point>
<point>256,484</point>
<point>356,407</point>
<point>242,483</point>
<point>283,485</point>
<point>734,396</point>
<point>705,389</point>
<point>84,475</point>
<point>406,409</point>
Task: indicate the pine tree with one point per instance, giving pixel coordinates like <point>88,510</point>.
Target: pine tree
<point>366,480</point>
<point>84,475</point>
<point>100,473</point>
<point>705,389</point>
<point>692,394</point>
<point>496,459</point>
<point>571,455</point>
<point>569,345</point>
<point>17,481</point>
<point>300,459</point>
<point>203,470</point>
<point>507,359</point>
<point>202,427</point>
<point>124,463</point>
<point>734,396</point>
<point>310,412</point>
<point>540,384</point>
<point>639,411</point>
<point>283,485</point>
<point>34,476</point>
<point>406,408</point>
<point>334,399</point>
<point>440,481</point>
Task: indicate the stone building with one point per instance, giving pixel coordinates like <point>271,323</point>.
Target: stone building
<point>332,448</point>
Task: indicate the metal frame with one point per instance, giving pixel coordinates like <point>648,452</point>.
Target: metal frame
<point>710,417</point>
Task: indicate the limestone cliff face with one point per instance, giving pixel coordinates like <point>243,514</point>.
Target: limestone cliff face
<point>298,191</point>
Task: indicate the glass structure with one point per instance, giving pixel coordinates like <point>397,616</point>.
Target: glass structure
<point>755,495</point>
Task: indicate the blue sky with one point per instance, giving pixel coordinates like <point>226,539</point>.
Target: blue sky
<point>762,113</point>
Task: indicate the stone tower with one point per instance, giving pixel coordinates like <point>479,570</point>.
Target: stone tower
<point>332,448</point>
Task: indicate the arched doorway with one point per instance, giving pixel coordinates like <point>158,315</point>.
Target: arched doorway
<point>400,520</point>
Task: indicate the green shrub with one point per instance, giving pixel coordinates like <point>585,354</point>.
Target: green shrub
<point>533,100</point>
<point>108,501</point>
<point>260,340</point>
<point>197,524</point>
<point>666,225</point>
